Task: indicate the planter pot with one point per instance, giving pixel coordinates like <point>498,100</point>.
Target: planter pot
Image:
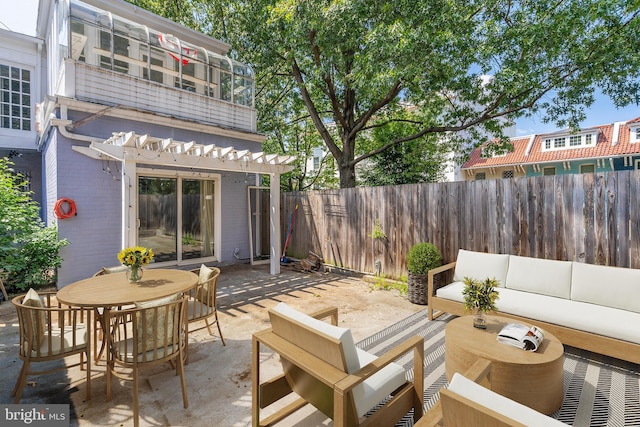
<point>417,288</point>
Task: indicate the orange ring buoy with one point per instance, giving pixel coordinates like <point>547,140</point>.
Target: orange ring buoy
<point>61,212</point>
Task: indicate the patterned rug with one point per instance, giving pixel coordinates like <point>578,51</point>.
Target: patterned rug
<point>598,390</point>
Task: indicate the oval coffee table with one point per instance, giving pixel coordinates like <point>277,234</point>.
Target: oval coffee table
<point>531,378</point>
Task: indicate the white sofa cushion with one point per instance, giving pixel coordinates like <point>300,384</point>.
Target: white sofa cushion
<point>375,388</point>
<point>489,399</point>
<point>609,286</point>
<point>597,319</point>
<point>480,265</point>
<point>541,276</point>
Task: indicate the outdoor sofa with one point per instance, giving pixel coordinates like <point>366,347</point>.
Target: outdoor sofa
<point>593,307</point>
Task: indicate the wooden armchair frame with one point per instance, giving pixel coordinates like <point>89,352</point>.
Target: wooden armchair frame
<point>202,303</point>
<point>332,385</point>
<point>64,331</point>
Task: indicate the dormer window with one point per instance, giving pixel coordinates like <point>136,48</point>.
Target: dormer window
<point>569,141</point>
<point>635,134</point>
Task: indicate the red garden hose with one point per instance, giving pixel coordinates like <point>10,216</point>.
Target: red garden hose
<point>65,208</point>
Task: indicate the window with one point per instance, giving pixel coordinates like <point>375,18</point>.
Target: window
<point>15,98</point>
<point>635,134</point>
<point>480,176</point>
<point>591,168</point>
<point>507,174</point>
<point>569,141</point>
<point>549,170</point>
<point>575,140</point>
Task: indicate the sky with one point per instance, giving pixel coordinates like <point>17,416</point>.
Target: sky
<point>23,19</point>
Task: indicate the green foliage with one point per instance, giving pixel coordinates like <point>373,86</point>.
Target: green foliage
<point>423,257</point>
<point>378,232</point>
<point>480,294</point>
<point>382,283</point>
<point>29,251</point>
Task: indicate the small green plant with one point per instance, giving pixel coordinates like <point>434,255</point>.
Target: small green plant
<point>189,239</point>
<point>377,232</point>
<point>423,257</point>
<point>381,283</point>
<point>480,294</point>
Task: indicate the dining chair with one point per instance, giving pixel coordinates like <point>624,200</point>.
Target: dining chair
<point>202,300</point>
<point>50,331</point>
<point>152,333</point>
<point>98,318</point>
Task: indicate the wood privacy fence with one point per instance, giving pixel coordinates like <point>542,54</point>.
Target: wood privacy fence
<point>593,218</point>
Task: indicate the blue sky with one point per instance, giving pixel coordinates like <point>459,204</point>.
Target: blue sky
<point>23,19</point>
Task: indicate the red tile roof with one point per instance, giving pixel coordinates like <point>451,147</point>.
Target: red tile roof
<point>605,147</point>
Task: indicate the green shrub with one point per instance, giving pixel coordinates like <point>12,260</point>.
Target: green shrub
<point>423,257</point>
<point>29,251</point>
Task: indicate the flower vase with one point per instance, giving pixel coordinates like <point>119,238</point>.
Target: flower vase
<point>479,319</point>
<point>134,273</point>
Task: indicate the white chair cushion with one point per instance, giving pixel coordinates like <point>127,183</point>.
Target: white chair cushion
<point>609,286</point>
<point>38,319</point>
<point>376,388</point>
<point>498,403</point>
<point>541,276</point>
<point>336,332</point>
<point>59,346</point>
<point>373,390</point>
<point>151,323</point>
<point>480,265</point>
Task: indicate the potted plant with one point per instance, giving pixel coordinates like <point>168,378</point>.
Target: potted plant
<point>421,258</point>
<point>480,296</point>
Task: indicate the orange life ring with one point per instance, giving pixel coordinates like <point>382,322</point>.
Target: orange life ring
<point>62,212</point>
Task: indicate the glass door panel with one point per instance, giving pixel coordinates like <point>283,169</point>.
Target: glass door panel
<point>197,219</point>
<point>157,212</point>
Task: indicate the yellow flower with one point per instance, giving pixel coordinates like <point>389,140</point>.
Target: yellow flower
<point>135,256</point>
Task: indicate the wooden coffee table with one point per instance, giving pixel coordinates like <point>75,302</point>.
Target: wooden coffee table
<point>531,378</point>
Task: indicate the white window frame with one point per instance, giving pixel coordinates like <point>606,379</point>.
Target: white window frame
<point>557,143</point>
<point>634,136</point>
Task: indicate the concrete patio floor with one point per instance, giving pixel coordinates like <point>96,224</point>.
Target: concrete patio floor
<point>218,377</point>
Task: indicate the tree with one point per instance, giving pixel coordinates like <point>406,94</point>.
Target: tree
<point>29,251</point>
<point>354,60</point>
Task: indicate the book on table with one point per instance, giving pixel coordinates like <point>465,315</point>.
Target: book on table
<point>521,336</point>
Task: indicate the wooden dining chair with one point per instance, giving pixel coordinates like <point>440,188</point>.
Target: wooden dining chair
<point>152,333</point>
<point>202,300</point>
<point>98,317</point>
<point>50,331</point>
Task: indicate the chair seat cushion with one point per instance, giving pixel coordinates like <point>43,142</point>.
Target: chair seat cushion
<point>197,309</point>
<point>62,341</point>
<point>124,352</point>
<point>379,386</point>
<point>505,406</point>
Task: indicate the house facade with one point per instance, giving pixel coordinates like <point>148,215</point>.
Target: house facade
<point>602,148</point>
<point>147,130</point>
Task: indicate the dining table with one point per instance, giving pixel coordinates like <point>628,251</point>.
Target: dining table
<point>106,291</point>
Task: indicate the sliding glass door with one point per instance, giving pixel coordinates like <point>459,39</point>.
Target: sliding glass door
<point>177,218</point>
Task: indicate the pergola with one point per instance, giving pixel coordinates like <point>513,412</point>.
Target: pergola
<point>132,149</point>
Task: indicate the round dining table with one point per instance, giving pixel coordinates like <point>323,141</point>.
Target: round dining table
<point>114,290</point>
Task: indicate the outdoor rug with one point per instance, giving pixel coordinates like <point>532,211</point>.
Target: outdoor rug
<point>598,390</point>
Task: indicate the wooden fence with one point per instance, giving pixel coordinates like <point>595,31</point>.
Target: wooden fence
<point>593,218</point>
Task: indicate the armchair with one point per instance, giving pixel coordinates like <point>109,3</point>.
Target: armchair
<point>324,368</point>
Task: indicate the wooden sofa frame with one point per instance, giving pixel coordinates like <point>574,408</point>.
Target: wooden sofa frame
<point>324,375</point>
<point>601,344</point>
